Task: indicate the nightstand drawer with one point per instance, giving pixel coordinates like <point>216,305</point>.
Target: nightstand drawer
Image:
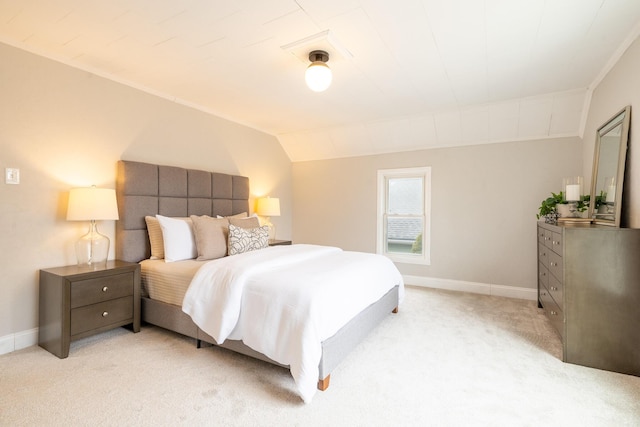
<point>91,291</point>
<point>102,314</point>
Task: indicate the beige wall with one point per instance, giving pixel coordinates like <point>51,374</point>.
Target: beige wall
<point>484,204</point>
<point>64,128</point>
<point>619,88</point>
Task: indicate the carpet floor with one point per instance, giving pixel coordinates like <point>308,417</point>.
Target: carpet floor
<point>446,359</point>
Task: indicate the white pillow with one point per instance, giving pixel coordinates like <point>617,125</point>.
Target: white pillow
<point>179,240</point>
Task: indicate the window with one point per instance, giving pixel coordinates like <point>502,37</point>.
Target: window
<point>404,198</point>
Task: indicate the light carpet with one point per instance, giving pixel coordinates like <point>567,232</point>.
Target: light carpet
<point>446,359</point>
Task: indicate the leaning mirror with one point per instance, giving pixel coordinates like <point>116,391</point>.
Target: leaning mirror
<point>608,169</point>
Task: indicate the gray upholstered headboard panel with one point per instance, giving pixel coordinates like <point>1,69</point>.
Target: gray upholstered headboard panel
<point>145,189</point>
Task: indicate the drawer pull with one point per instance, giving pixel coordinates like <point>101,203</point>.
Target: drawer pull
<point>105,313</point>
<point>554,313</point>
<point>553,288</point>
<point>105,288</point>
<point>553,264</point>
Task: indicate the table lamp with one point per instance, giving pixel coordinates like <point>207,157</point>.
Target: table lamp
<point>92,204</point>
<point>268,207</point>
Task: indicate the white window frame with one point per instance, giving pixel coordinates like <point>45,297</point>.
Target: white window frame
<point>383,176</point>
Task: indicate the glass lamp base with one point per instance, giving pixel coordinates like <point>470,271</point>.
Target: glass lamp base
<point>272,229</point>
<point>93,247</point>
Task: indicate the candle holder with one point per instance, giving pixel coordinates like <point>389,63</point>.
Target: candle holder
<point>572,193</point>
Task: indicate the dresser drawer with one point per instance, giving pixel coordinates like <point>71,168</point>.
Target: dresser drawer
<point>548,237</point>
<point>91,291</point>
<point>553,312</point>
<point>555,265</point>
<point>543,274</point>
<point>543,254</point>
<point>95,316</point>
<point>556,291</point>
<point>541,235</point>
<point>556,243</point>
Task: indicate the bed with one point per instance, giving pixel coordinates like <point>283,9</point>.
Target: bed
<point>147,190</point>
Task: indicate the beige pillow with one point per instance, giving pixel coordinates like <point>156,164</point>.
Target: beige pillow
<point>211,236</point>
<point>155,237</point>
<point>250,222</point>
<point>240,215</point>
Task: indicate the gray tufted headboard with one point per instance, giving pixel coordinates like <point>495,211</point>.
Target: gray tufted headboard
<point>145,189</point>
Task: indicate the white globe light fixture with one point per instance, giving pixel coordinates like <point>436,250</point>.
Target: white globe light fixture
<point>318,74</point>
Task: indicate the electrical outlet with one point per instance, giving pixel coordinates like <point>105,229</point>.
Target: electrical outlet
<point>12,176</point>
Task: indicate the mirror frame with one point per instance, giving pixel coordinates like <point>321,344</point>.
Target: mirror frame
<point>603,219</point>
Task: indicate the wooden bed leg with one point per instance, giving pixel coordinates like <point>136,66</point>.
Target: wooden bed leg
<point>395,310</point>
<point>323,384</point>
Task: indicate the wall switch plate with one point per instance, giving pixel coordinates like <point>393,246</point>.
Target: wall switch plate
<point>12,176</point>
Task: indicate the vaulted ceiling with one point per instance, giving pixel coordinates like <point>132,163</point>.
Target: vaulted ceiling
<point>407,74</point>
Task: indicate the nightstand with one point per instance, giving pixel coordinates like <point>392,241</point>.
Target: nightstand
<point>279,242</point>
<point>78,301</point>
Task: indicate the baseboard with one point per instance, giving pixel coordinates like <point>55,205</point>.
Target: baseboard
<point>18,341</point>
<point>472,287</point>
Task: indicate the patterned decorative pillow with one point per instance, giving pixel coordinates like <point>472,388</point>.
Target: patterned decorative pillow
<point>243,240</point>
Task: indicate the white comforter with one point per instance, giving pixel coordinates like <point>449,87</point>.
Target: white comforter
<point>283,301</point>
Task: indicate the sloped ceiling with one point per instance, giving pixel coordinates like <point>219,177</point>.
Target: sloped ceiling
<point>408,74</point>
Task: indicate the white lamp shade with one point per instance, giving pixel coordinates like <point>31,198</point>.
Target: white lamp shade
<point>268,206</point>
<point>92,204</point>
<point>318,76</point>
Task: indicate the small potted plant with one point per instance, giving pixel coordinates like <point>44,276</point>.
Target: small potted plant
<point>548,208</point>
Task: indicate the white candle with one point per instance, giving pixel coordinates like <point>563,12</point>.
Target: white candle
<point>573,192</point>
<point>611,194</point>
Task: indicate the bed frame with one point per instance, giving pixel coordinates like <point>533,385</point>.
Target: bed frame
<point>146,189</point>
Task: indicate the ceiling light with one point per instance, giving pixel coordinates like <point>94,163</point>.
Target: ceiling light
<point>318,74</point>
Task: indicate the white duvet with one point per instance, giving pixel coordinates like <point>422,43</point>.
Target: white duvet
<point>283,301</point>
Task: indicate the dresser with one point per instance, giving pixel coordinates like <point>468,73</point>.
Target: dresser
<point>589,288</point>
<point>78,301</point>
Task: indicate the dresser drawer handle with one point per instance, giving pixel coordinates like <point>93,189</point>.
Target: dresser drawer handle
<point>554,313</point>
<point>105,288</point>
<point>553,264</point>
<point>553,288</point>
<point>105,313</point>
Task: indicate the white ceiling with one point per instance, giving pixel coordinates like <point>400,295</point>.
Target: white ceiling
<point>408,74</point>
